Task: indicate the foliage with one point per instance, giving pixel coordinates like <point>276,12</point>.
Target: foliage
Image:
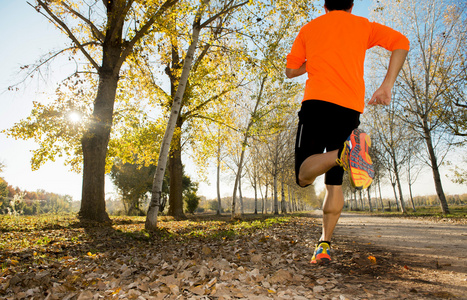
<point>204,256</point>
<point>191,201</point>
<point>133,182</point>
<point>57,127</point>
<point>3,192</point>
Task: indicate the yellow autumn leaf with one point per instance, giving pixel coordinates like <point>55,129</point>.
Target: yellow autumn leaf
<point>14,262</point>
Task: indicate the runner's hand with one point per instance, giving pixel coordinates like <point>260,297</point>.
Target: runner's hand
<point>381,96</point>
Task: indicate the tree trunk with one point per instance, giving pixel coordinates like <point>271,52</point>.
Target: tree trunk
<point>362,208</point>
<point>151,219</point>
<point>295,201</point>
<point>395,194</point>
<point>256,194</point>
<point>265,200</point>
<point>283,208</point>
<point>411,196</point>
<point>369,199</point>
<point>380,196</point>
<point>240,195</point>
<point>434,167</point>
<point>376,200</point>
<point>218,185</point>
<point>94,143</point>
<point>262,196</point>
<point>398,181</point>
<point>96,137</point>
<point>176,179</point>
<point>276,200</point>
<point>355,199</point>
<point>244,143</point>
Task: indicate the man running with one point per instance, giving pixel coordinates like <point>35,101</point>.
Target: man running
<point>331,50</point>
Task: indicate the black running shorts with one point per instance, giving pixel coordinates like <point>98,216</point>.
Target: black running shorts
<point>323,126</point>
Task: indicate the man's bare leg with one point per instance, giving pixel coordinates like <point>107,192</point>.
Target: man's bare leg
<point>332,208</point>
<point>313,167</point>
<point>316,165</point>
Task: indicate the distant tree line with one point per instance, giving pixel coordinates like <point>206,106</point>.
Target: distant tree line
<point>15,201</point>
<point>361,200</point>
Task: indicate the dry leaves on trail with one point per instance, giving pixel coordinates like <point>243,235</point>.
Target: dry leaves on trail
<point>194,259</point>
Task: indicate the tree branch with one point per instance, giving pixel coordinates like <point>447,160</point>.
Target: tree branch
<point>224,11</point>
<point>69,33</point>
<point>139,34</point>
<point>97,34</point>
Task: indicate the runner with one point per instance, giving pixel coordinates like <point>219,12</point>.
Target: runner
<point>331,50</point>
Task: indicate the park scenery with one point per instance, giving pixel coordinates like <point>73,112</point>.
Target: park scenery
<point>157,98</point>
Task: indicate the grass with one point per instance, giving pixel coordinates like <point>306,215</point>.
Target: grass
<point>42,231</point>
<point>457,212</point>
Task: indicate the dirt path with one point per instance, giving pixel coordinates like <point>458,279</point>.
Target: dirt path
<point>434,244</point>
<point>433,253</point>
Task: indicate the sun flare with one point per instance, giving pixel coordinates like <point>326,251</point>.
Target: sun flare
<point>74,117</point>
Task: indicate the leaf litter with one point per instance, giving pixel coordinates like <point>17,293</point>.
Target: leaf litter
<point>200,258</point>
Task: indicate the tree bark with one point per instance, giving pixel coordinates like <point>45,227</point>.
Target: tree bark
<point>176,179</point>
<point>97,135</point>
<point>276,200</point>
<point>256,193</point>
<point>398,181</point>
<point>244,144</point>
<point>151,219</point>
<point>436,175</point>
<point>380,196</point>
<point>395,194</point>
<point>240,195</point>
<point>218,178</point>
<point>283,208</point>
<point>94,143</point>
<point>411,196</point>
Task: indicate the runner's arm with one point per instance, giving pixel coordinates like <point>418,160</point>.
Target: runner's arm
<point>291,73</point>
<point>383,94</point>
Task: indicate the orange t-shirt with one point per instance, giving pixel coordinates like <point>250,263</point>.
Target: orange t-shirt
<point>334,46</point>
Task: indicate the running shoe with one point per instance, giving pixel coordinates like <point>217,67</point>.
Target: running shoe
<point>322,254</point>
<point>361,167</point>
<point>344,158</point>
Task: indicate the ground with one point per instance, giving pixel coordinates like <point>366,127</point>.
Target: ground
<point>213,258</point>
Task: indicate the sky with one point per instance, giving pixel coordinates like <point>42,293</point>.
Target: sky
<point>26,36</point>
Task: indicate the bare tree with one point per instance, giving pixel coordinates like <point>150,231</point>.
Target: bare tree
<point>438,35</point>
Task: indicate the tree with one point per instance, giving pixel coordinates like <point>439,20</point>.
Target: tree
<point>134,182</point>
<point>390,135</point>
<point>151,220</point>
<point>3,188</point>
<point>3,193</point>
<point>189,194</point>
<point>438,37</point>
<point>192,202</point>
<point>207,88</point>
<point>111,37</point>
